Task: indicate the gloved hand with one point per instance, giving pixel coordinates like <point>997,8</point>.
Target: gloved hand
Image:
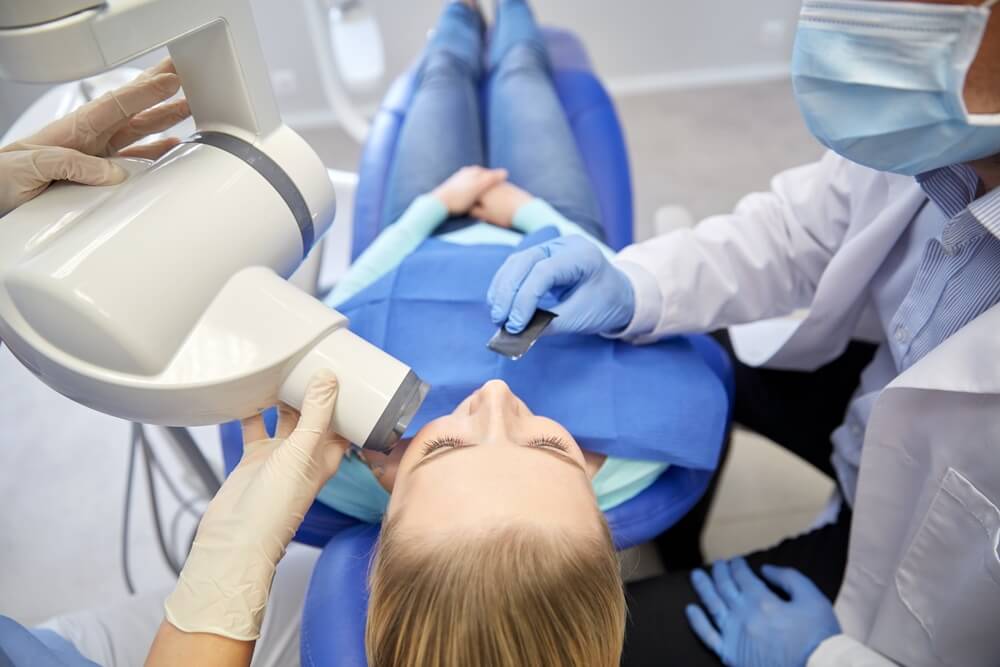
<point>753,627</point>
<point>595,296</point>
<point>224,586</point>
<point>73,148</point>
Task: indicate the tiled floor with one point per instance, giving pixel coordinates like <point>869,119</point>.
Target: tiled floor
<point>62,472</point>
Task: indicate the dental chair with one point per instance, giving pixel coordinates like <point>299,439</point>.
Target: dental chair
<point>333,622</point>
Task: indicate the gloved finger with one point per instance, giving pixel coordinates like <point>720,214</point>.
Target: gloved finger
<point>317,406</point>
<point>153,150</point>
<point>332,449</point>
<point>66,164</point>
<point>705,589</point>
<point>159,118</point>
<point>792,582</point>
<point>725,585</point>
<point>288,419</point>
<point>504,287</point>
<point>165,66</point>
<point>109,112</point>
<point>254,429</point>
<point>560,270</point>
<point>746,579</point>
<point>704,628</point>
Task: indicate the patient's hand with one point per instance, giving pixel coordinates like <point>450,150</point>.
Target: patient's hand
<point>500,204</point>
<point>466,186</point>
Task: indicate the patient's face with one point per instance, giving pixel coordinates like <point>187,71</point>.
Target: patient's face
<point>492,462</point>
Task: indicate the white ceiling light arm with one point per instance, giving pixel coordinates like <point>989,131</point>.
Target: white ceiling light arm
<point>328,21</point>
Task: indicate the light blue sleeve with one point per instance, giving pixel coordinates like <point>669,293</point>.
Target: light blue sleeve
<point>538,213</point>
<point>391,247</point>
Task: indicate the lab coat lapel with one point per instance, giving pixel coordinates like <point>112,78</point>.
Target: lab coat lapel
<point>841,295</point>
<point>966,362</point>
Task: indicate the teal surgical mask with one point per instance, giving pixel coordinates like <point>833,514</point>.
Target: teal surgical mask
<point>882,83</point>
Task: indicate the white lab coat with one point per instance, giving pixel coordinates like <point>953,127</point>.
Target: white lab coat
<point>923,576</point>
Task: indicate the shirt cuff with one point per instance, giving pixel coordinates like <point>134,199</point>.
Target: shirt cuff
<point>648,301</point>
<point>534,215</point>
<point>426,213</point>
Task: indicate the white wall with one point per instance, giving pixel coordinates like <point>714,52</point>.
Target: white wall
<point>636,44</point>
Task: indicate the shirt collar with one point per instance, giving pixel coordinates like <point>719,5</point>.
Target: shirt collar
<point>953,189</point>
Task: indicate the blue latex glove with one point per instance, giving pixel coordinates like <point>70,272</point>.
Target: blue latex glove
<point>753,627</point>
<point>594,296</point>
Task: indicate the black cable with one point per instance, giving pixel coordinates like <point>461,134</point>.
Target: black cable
<point>176,522</point>
<point>133,447</point>
<point>185,504</point>
<point>196,460</point>
<point>154,504</point>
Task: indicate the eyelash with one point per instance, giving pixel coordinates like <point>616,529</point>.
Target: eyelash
<point>441,443</point>
<point>551,443</point>
<point>454,443</point>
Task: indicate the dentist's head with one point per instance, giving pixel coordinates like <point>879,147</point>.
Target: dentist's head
<point>494,551</point>
<point>905,87</point>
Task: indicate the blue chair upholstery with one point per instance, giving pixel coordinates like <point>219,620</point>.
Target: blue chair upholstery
<point>334,615</point>
<point>600,141</point>
<point>333,618</point>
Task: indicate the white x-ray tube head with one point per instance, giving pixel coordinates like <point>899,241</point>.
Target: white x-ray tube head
<point>163,300</point>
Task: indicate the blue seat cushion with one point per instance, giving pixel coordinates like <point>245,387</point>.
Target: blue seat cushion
<point>333,624</point>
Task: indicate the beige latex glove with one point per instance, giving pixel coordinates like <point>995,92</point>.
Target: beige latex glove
<point>74,147</point>
<point>224,586</point>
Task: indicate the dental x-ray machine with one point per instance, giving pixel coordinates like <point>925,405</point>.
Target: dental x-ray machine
<point>163,300</point>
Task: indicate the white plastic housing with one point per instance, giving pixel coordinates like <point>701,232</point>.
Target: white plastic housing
<point>163,300</point>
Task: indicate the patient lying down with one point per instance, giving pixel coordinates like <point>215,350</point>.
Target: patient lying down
<point>494,549</point>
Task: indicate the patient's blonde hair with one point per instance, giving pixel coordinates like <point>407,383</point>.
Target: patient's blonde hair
<point>507,597</point>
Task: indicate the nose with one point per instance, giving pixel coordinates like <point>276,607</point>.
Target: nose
<point>494,407</point>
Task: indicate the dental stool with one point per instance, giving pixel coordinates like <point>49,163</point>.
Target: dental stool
<point>333,619</point>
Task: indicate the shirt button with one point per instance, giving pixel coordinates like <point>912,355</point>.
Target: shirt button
<point>902,335</point>
<point>949,250</point>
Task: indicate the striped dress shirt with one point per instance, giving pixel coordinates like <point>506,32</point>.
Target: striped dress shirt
<point>943,273</point>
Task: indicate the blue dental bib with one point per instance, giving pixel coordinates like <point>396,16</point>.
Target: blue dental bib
<point>656,402</point>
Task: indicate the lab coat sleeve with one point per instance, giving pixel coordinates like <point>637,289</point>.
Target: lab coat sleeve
<point>843,651</point>
<point>390,248</point>
<point>763,260</point>
<point>538,213</point>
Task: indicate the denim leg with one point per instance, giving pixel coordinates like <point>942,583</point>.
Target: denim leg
<point>442,131</point>
<point>528,132</point>
<point>514,24</point>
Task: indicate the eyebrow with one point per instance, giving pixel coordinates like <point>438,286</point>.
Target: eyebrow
<point>545,450</point>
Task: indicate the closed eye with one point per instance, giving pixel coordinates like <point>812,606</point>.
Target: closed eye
<point>550,443</point>
<point>442,443</point>
<point>553,446</point>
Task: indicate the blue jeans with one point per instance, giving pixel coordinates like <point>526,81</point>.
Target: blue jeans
<point>526,131</point>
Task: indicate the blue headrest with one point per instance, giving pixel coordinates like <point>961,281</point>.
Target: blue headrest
<point>333,619</point>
